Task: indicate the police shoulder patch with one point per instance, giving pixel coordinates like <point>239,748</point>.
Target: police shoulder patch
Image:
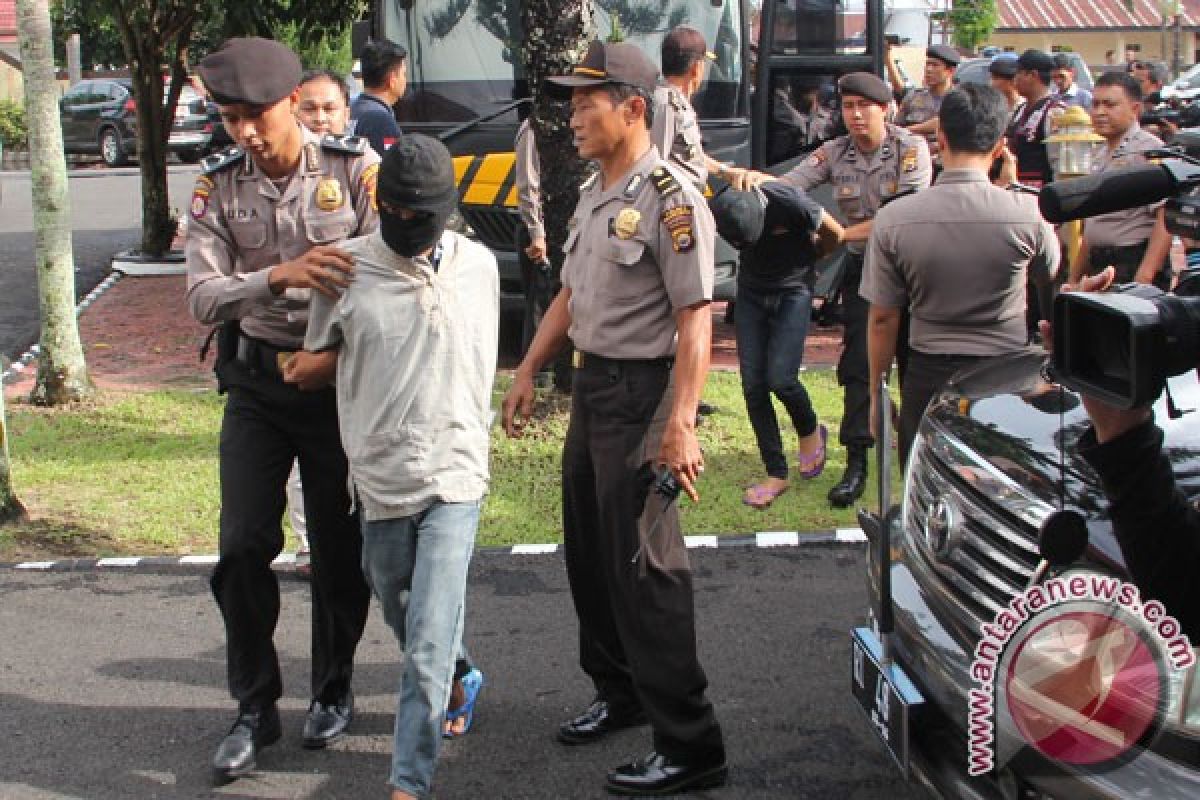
<point>908,162</point>
<point>664,181</point>
<point>351,145</point>
<point>680,223</point>
<point>222,160</point>
<point>817,158</point>
<point>199,205</point>
<point>370,180</point>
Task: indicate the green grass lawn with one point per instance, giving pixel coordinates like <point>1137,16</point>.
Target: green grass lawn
<point>137,473</point>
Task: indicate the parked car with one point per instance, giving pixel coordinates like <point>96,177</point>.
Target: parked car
<point>1185,88</point>
<point>975,70</point>
<point>994,457</point>
<point>100,116</point>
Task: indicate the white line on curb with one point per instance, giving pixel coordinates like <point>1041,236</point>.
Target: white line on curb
<point>777,539</point>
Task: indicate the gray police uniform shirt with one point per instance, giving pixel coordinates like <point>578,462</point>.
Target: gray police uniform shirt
<point>636,252</point>
<point>1133,225</point>
<point>862,181</point>
<point>242,223</point>
<point>417,356</point>
<point>529,182</point>
<point>920,105</point>
<point>957,257</point>
<point>676,134</point>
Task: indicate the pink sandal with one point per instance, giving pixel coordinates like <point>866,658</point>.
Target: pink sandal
<point>813,465</point>
<point>760,497</point>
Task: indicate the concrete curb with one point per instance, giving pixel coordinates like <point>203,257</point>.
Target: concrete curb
<point>127,262</point>
<point>286,561</point>
<point>19,365</point>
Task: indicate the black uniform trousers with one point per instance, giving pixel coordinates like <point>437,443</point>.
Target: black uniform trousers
<point>927,374</point>
<point>853,369</point>
<point>636,624</point>
<point>267,425</point>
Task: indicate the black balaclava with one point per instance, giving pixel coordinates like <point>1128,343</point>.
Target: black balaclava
<point>417,174</point>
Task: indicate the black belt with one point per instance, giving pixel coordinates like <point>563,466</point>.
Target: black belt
<point>261,357</point>
<point>589,361</point>
<point>1116,252</point>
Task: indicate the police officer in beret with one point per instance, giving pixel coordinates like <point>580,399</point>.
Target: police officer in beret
<point>872,163</point>
<point>637,282</point>
<point>266,217</point>
<point>919,108</point>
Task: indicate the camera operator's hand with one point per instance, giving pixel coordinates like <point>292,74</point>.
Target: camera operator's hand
<point>1109,421</point>
<point>326,268</point>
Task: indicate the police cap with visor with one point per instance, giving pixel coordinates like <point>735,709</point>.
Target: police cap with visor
<point>616,63</point>
<point>250,70</point>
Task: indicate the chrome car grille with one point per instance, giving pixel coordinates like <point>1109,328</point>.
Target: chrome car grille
<point>989,557</point>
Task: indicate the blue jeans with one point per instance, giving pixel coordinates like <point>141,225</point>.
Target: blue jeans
<point>417,567</point>
<point>771,328</point>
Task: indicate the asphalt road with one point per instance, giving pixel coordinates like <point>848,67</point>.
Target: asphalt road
<point>112,686</point>
<point>106,217</point>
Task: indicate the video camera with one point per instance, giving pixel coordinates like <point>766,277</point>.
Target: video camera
<point>1121,346</point>
<point>1158,116</point>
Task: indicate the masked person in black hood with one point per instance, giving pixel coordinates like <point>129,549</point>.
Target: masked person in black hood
<point>416,336</point>
<point>777,227</point>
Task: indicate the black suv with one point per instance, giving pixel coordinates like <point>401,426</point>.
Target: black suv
<point>99,116</point>
<point>993,458</point>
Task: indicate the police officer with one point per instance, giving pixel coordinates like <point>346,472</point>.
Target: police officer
<point>676,128</point>
<point>264,220</point>
<point>1135,241</point>
<point>962,309</point>
<point>531,234</point>
<point>919,108</point>
<point>637,281</point>
<point>873,162</point>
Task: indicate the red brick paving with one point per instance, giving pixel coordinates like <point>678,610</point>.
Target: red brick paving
<point>139,335</point>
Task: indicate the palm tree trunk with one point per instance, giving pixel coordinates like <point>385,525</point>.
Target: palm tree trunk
<point>556,36</point>
<point>62,374</point>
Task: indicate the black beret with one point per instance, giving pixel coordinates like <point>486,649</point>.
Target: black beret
<point>864,84</point>
<point>1036,60</point>
<point>1003,66</point>
<point>604,63</point>
<point>250,70</point>
<point>739,216</point>
<point>944,53</point>
<point>417,173</point>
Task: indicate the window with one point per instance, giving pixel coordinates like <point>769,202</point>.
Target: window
<point>821,26</point>
<point>464,54</point>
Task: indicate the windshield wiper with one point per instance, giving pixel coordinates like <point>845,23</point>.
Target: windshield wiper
<point>471,123</point>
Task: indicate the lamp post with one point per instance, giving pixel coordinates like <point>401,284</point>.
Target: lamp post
<point>1072,149</point>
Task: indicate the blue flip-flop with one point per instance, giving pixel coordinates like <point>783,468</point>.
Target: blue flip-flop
<point>472,682</point>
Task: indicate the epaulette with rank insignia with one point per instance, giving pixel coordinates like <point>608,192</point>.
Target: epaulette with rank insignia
<point>351,145</point>
<point>664,181</point>
<point>222,160</point>
<point>590,182</point>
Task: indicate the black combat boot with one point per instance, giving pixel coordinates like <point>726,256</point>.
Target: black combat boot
<point>853,481</point>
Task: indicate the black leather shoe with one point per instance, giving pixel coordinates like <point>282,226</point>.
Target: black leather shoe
<point>657,774</point>
<point>327,722</point>
<point>252,731</point>
<point>853,482</point>
<point>595,723</point>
